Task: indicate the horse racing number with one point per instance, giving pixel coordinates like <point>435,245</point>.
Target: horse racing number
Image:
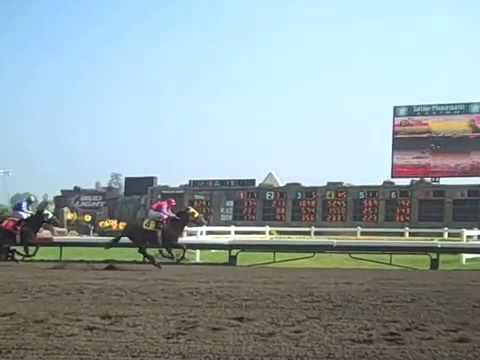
<point>304,206</point>
<point>245,207</point>
<point>275,206</point>
<point>335,206</point>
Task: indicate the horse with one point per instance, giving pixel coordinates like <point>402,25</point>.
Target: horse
<point>25,234</point>
<point>166,237</point>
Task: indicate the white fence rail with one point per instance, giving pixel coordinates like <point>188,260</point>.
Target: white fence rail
<point>268,232</point>
<point>469,236</point>
<point>209,233</point>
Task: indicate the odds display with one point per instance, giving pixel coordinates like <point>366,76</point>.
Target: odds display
<point>245,206</point>
<point>366,207</point>
<point>275,206</point>
<point>304,206</point>
<point>335,206</point>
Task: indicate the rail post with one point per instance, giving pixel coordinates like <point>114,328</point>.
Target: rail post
<point>312,232</point>
<point>232,231</point>
<point>359,232</point>
<point>445,233</point>
<point>475,237</point>
<point>267,232</point>
<point>463,235</point>
<point>406,232</point>
<point>435,261</point>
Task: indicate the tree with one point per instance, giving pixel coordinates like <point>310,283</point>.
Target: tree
<point>116,181</point>
<point>4,211</point>
<point>45,203</point>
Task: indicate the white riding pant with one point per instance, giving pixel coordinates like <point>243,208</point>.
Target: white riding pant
<point>157,215</point>
<point>21,215</point>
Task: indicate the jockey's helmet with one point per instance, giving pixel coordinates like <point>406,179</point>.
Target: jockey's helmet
<point>171,202</point>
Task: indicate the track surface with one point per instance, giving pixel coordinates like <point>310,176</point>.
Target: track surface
<point>85,312</point>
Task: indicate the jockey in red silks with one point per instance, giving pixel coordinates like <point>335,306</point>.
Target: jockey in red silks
<point>162,210</point>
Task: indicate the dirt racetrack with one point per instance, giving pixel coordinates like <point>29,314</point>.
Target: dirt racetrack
<point>138,312</point>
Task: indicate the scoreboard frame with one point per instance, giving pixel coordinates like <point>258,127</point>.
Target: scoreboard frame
<point>388,214</point>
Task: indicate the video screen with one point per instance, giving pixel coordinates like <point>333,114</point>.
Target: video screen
<point>436,141</point>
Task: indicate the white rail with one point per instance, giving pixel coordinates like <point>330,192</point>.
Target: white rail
<point>470,236</point>
<point>208,233</point>
<point>269,232</point>
<point>222,234</point>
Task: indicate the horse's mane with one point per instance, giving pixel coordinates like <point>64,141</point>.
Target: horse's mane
<point>183,211</point>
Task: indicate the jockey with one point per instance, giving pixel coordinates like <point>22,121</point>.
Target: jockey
<point>162,210</point>
<point>23,209</point>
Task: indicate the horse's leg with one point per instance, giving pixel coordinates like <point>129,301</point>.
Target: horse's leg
<point>26,250</point>
<point>25,239</point>
<point>149,257</point>
<point>165,243</point>
<point>12,255</point>
<point>142,252</point>
<point>181,247</point>
<point>112,242</point>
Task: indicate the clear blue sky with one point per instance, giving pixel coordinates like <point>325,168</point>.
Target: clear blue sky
<point>229,89</point>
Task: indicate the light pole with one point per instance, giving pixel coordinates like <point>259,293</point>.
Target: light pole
<point>4,173</point>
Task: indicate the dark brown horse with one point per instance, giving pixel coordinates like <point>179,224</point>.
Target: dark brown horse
<point>166,238</point>
<point>28,233</point>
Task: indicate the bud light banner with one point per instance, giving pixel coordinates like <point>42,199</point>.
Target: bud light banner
<point>88,201</point>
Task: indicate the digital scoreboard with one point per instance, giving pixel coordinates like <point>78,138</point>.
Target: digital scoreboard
<point>366,207</point>
<point>245,206</point>
<point>304,206</point>
<point>275,206</point>
<point>398,206</point>
<point>334,208</point>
